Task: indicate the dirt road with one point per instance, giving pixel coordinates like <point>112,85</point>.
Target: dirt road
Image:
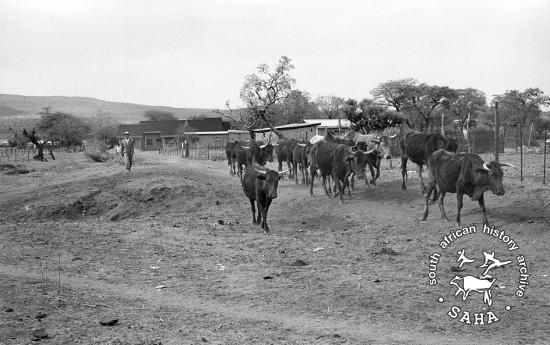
<point>83,241</point>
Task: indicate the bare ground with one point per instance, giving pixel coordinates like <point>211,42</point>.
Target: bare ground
<point>81,242</point>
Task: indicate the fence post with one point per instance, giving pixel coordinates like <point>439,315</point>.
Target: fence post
<point>521,152</point>
<point>497,128</point>
<point>544,160</point>
<point>208,151</point>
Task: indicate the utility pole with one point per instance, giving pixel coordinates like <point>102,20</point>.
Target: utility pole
<point>497,130</point>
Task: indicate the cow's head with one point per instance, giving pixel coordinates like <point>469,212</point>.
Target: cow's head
<point>360,159</point>
<point>269,180</point>
<point>490,178</point>
<point>382,145</point>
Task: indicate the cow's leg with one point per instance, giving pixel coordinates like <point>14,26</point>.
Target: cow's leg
<point>313,172</point>
<point>290,168</point>
<point>253,208</point>
<point>372,174</point>
<point>280,168</point>
<point>378,162</point>
<point>442,205</point>
<point>265,209</point>
<point>481,202</point>
<point>422,185</point>
<point>459,202</point>
<point>260,213</point>
<point>340,188</point>
<point>430,190</point>
<point>404,171</point>
<point>324,183</point>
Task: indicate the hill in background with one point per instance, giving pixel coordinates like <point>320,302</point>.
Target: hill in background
<point>18,111</point>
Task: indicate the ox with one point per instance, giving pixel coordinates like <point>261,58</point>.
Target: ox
<point>333,160</point>
<point>229,154</point>
<point>284,154</point>
<point>260,186</point>
<point>382,145</point>
<point>471,283</point>
<point>247,153</point>
<point>418,147</point>
<point>462,173</point>
<point>300,154</point>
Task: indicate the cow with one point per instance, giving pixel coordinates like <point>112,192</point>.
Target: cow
<point>260,186</point>
<point>462,173</point>
<point>300,154</point>
<point>284,154</point>
<point>247,153</point>
<point>333,160</point>
<point>452,145</point>
<point>418,147</point>
<point>471,283</point>
<point>229,154</point>
<point>381,144</point>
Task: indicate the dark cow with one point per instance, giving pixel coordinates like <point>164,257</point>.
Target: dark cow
<point>300,154</point>
<point>363,159</point>
<point>333,160</point>
<point>462,173</point>
<point>247,153</point>
<point>229,154</point>
<point>284,154</point>
<point>260,186</point>
<point>381,143</point>
<point>418,147</point>
<point>452,145</point>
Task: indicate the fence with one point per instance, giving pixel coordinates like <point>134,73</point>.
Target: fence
<point>214,151</point>
<point>13,154</point>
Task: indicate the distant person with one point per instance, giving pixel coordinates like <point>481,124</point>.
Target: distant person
<point>127,147</point>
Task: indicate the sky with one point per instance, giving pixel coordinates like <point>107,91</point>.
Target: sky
<point>197,53</point>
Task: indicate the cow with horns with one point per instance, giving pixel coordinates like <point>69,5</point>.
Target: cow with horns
<point>260,186</point>
<point>248,153</point>
<point>300,154</point>
<point>463,173</point>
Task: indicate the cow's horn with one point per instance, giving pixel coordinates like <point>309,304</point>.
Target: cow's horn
<point>376,141</point>
<point>277,144</point>
<point>260,171</point>
<point>263,146</point>
<point>392,136</point>
<point>284,171</point>
<point>368,152</point>
<point>302,145</point>
<point>486,167</point>
<point>246,147</point>
<point>507,165</point>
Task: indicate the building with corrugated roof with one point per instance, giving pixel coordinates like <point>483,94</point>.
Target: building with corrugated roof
<point>339,126</point>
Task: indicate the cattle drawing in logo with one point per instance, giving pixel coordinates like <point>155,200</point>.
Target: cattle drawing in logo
<point>482,284</point>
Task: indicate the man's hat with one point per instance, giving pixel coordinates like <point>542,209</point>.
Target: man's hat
<point>126,133</point>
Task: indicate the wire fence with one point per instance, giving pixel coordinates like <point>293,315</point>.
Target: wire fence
<point>214,151</point>
<point>14,154</point>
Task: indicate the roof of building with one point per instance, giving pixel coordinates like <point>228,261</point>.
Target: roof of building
<point>171,127</point>
<point>289,126</point>
<point>329,123</point>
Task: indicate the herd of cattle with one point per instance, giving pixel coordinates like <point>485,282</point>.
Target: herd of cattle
<point>340,159</point>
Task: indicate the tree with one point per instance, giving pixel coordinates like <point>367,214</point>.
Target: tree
<point>522,106</point>
<point>38,143</point>
<point>368,115</point>
<point>466,105</point>
<point>395,93</point>
<point>262,90</point>
<point>330,106</point>
<point>104,129</point>
<point>296,107</point>
<point>63,128</point>
<point>18,140</point>
<point>159,115</point>
<point>425,99</point>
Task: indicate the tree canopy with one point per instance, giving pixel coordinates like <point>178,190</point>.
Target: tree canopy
<point>63,128</point>
<point>159,115</point>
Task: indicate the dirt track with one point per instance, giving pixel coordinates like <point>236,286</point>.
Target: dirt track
<point>117,236</point>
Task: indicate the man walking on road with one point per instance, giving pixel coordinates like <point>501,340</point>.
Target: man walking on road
<point>127,147</point>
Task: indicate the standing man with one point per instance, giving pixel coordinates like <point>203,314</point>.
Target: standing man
<point>127,146</point>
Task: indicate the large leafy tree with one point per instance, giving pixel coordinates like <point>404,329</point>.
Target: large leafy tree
<point>159,115</point>
<point>330,107</point>
<point>395,93</point>
<point>467,105</point>
<point>369,116</point>
<point>262,90</point>
<point>425,99</point>
<point>522,106</point>
<point>63,128</point>
<point>104,129</point>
